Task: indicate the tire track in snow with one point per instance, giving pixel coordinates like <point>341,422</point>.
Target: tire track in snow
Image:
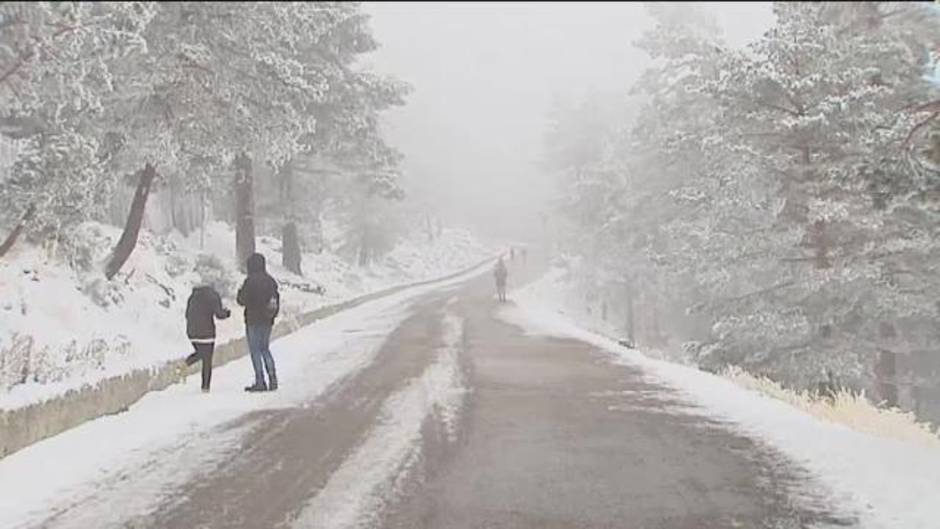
<point>368,479</point>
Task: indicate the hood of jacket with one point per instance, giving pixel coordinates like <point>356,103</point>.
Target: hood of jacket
<point>255,264</point>
<point>201,290</point>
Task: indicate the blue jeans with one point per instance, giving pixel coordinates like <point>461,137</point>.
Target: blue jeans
<point>259,337</point>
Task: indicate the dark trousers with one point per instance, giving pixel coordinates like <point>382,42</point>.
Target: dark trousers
<point>501,290</point>
<point>203,352</point>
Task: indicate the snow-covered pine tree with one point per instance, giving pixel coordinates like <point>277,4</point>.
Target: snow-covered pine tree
<point>775,189</point>
<point>219,83</point>
<point>56,72</point>
<point>347,118</point>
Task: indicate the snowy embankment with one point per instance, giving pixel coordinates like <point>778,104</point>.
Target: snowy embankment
<point>63,326</point>
<point>170,436</point>
<point>888,483</point>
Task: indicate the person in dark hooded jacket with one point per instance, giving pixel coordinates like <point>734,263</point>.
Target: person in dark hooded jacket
<point>500,273</point>
<point>259,295</point>
<point>202,308</point>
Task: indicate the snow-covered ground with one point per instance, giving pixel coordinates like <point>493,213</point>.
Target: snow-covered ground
<point>62,327</point>
<point>888,484</point>
<point>171,434</point>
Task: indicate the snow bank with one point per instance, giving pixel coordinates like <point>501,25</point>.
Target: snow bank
<point>358,489</point>
<point>887,483</point>
<point>63,326</point>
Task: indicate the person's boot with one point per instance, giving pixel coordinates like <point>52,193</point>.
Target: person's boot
<point>256,388</point>
<point>272,384</point>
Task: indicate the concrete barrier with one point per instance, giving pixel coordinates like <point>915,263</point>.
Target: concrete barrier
<point>24,426</point>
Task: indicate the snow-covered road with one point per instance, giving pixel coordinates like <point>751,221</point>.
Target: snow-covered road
<point>437,407</point>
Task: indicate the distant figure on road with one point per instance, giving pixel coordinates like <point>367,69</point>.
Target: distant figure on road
<point>500,273</point>
<point>259,295</point>
<point>525,254</point>
<point>512,253</point>
<point>202,308</point>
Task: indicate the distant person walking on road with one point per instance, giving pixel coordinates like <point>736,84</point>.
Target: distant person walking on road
<point>259,295</point>
<point>500,273</point>
<point>202,308</point>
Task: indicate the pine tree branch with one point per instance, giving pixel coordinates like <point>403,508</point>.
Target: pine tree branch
<point>922,124</point>
<point>26,57</point>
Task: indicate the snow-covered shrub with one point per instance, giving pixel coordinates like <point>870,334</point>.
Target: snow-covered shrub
<point>44,367</point>
<point>91,356</point>
<point>15,360</point>
<point>852,409</point>
<point>698,350</point>
<point>176,265</point>
<point>23,361</point>
<point>82,246</point>
<point>80,257</point>
<point>162,245</point>
<point>102,292</point>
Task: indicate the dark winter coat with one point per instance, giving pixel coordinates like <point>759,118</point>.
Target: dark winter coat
<point>258,293</point>
<point>500,272</point>
<point>203,306</point>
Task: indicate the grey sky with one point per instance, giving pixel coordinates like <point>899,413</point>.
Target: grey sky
<point>484,75</point>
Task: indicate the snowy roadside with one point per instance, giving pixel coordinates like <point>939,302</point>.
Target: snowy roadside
<point>170,434</point>
<point>888,484</point>
<point>63,327</point>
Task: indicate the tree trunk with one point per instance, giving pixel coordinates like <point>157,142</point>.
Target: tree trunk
<point>885,379</point>
<point>316,227</point>
<point>290,240</point>
<point>184,209</point>
<point>820,242</point>
<point>363,253</point>
<point>429,227</point>
<point>364,256</point>
<point>135,218</point>
<point>290,248</point>
<point>175,221</point>
<point>630,315</point>
<point>656,331</point>
<point>15,234</point>
<point>244,210</point>
<point>202,220</point>
<point>886,371</point>
<point>316,209</point>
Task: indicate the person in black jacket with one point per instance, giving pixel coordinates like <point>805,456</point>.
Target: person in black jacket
<point>259,295</point>
<point>500,273</point>
<point>202,308</point>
